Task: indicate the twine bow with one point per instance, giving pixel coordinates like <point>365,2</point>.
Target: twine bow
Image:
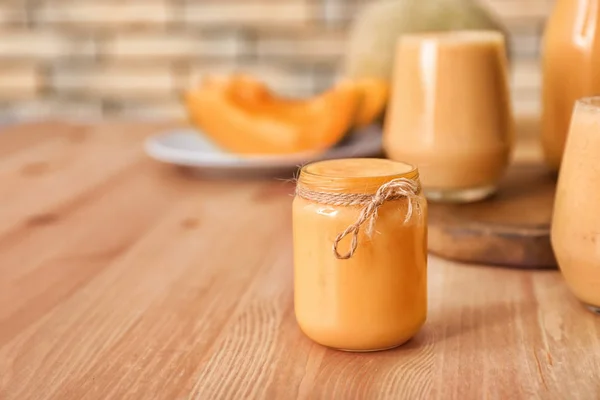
<point>392,190</point>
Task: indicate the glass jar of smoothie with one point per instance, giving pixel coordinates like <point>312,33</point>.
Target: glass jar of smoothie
<point>450,112</point>
<point>576,221</point>
<point>360,253</point>
<point>570,59</point>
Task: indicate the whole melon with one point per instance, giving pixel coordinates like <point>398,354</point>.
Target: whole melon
<point>374,32</point>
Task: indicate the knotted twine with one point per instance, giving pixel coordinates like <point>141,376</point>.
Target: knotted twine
<point>393,190</point>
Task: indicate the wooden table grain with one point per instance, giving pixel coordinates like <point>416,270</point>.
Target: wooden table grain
<point>122,278</point>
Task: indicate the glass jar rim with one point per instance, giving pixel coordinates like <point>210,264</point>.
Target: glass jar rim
<point>590,103</point>
<point>328,182</point>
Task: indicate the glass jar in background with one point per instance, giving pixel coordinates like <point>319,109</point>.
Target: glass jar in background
<point>570,60</point>
<point>576,219</point>
<point>450,112</point>
<point>360,253</point>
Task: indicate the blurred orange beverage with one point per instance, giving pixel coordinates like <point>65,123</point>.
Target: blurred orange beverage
<point>450,112</point>
<point>571,69</point>
<point>576,221</point>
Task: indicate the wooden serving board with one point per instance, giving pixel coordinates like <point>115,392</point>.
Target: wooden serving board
<point>511,228</point>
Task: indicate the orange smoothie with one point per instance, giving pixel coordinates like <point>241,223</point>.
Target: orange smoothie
<point>576,221</point>
<point>450,112</point>
<point>571,56</point>
<point>377,298</point>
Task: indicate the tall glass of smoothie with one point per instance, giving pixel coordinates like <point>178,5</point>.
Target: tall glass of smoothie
<point>450,112</point>
<point>576,220</point>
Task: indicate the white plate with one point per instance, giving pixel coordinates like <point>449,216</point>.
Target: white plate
<point>188,147</point>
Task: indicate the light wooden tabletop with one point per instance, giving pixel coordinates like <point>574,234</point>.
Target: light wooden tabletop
<point>121,278</point>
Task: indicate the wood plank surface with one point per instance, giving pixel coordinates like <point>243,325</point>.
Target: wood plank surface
<point>122,278</point>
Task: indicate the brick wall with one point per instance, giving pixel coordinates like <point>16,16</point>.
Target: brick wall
<point>132,58</point>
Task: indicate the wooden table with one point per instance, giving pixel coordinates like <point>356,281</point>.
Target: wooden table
<point>121,278</point>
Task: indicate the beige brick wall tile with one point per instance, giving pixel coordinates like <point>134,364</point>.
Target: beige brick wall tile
<point>13,13</point>
<point>250,13</point>
<point>197,71</point>
<point>43,45</point>
<point>115,82</point>
<point>321,46</point>
<point>525,43</point>
<point>20,81</point>
<point>526,81</point>
<point>164,110</point>
<point>281,79</point>
<point>150,46</point>
<point>175,47</point>
<point>50,108</point>
<point>526,105</point>
<point>526,75</point>
<point>337,12</point>
<point>106,14</point>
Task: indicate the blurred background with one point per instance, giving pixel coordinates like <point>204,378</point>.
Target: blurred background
<point>95,59</point>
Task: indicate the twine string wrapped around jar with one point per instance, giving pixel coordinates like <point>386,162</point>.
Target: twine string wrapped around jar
<point>393,190</point>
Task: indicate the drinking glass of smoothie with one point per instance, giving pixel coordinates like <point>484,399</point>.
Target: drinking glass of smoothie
<point>576,221</point>
<point>450,112</point>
